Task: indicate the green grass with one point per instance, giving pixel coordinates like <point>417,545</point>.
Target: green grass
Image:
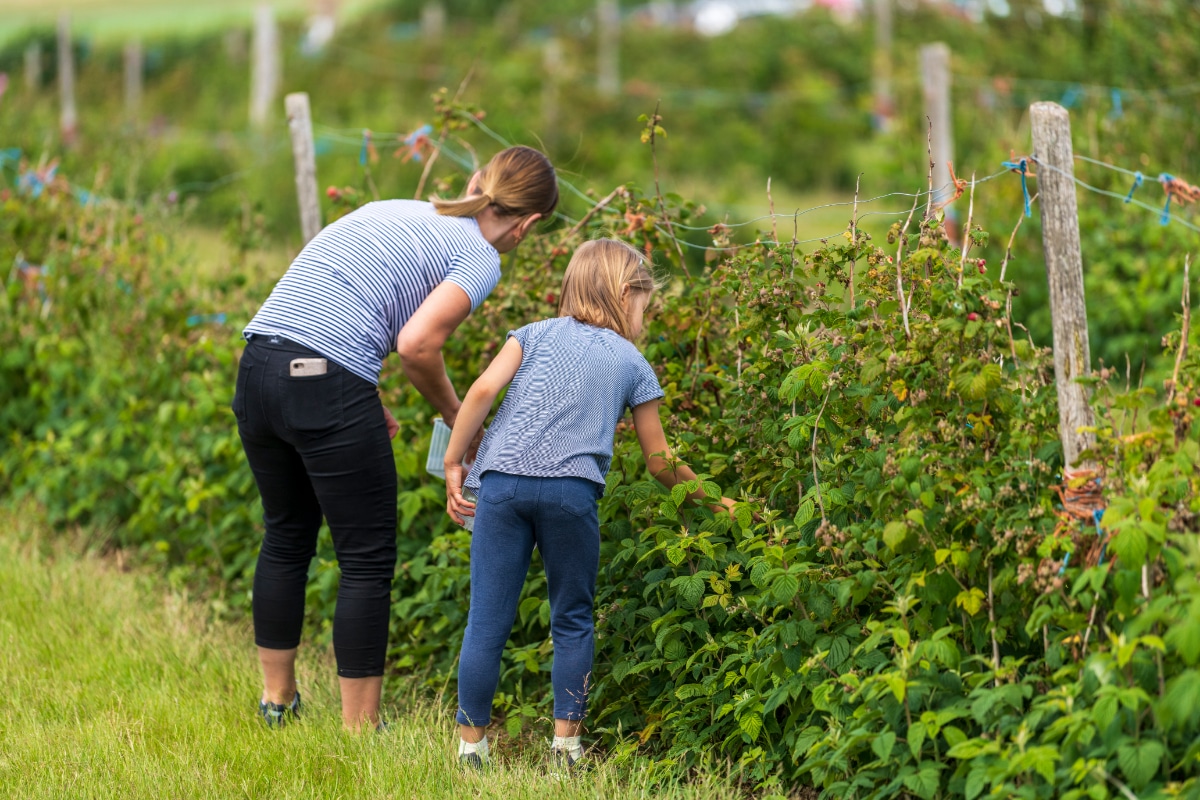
<point>118,19</point>
<point>112,685</point>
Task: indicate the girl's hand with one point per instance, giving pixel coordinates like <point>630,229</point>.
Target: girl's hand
<point>393,427</point>
<point>456,506</point>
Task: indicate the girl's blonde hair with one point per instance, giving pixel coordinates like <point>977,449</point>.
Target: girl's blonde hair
<point>591,288</point>
<point>517,182</point>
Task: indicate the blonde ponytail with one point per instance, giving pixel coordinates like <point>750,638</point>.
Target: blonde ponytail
<point>517,182</point>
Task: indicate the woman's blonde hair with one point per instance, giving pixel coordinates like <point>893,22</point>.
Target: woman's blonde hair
<point>517,182</point>
<point>595,277</point>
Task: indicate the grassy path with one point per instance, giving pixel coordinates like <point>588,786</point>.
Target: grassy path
<point>112,686</point>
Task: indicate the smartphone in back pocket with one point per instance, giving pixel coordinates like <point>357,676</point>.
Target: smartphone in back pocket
<point>308,366</point>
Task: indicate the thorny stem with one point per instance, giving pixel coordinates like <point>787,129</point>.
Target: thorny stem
<point>1011,239</point>
<point>1187,320</point>
<point>992,619</point>
<point>962,264</point>
<point>437,151</point>
<point>854,239</point>
<point>899,262</point>
<point>771,210</point>
<point>816,427</point>
<point>662,203</point>
<point>929,152</point>
<point>737,325</point>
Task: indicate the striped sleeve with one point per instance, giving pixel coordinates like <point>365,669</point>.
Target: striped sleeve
<point>476,272</point>
<point>645,384</point>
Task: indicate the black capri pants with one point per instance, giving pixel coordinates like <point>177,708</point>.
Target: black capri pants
<point>318,446</point>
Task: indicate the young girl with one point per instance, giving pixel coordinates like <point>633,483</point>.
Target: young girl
<point>540,473</point>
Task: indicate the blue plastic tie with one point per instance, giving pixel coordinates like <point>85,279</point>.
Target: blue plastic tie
<point>1137,182</point>
<point>1022,165</point>
<point>1164,178</point>
<point>1071,96</point>
<point>199,319</point>
<point>1117,111</point>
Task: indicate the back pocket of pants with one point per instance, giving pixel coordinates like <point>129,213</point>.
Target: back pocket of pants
<point>239,390</point>
<point>313,403</point>
<point>579,496</point>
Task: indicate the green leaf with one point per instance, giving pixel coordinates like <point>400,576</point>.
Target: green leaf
<point>621,669</point>
<point>1130,544</point>
<point>744,516</point>
<point>883,744</point>
<point>894,534</point>
<point>1140,761</point>
<point>804,513</point>
<point>751,724</point>
<point>679,493</point>
<point>758,573</point>
<point>689,690</point>
<point>690,588</point>
<point>925,782</point>
<point>676,555</point>
<point>1184,637</point>
<point>916,738</point>
<point>970,600</point>
<point>839,651</point>
<point>976,780</point>
<point>785,587</point>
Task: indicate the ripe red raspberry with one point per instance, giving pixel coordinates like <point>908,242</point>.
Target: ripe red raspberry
<point>972,317</point>
<point>332,193</point>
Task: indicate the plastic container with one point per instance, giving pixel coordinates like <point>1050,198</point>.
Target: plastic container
<point>470,496</point>
<point>435,463</point>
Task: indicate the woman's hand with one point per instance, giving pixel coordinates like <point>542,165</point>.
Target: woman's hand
<point>393,427</point>
<point>456,506</point>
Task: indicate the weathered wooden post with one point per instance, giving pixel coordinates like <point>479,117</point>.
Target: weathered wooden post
<point>265,66</point>
<point>304,154</point>
<point>882,72</point>
<point>935,81</point>
<point>1064,270</point>
<point>33,67</point>
<point>552,65</point>
<point>433,23</point>
<point>608,27</point>
<point>133,79</point>
<point>68,119</point>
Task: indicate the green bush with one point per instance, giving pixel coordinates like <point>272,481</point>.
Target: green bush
<point>891,611</point>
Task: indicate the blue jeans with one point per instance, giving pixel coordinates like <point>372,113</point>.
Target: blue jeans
<point>513,513</point>
<point>319,449</point>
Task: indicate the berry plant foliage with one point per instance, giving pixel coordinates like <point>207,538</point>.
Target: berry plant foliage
<point>901,604</point>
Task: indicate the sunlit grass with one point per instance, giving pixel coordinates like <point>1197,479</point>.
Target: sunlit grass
<point>113,686</point>
<point>117,19</point>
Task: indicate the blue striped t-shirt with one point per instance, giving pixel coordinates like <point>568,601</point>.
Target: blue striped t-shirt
<point>562,407</point>
<point>352,288</point>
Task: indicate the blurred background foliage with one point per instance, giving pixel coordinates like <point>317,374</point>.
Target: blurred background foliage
<point>789,98</point>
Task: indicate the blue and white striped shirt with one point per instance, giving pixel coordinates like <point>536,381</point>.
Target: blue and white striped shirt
<point>562,407</point>
<point>352,288</point>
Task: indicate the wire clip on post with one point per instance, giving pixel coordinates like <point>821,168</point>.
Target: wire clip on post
<point>1137,182</point>
<point>1179,190</point>
<point>1021,166</point>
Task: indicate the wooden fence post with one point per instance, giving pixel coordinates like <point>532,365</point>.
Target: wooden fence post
<point>265,66</point>
<point>935,81</point>
<point>68,119</point>
<point>433,23</point>
<point>304,154</point>
<point>33,67</point>
<point>608,46</point>
<point>882,72</point>
<point>552,64</point>
<point>1064,270</point>
<point>133,79</point>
